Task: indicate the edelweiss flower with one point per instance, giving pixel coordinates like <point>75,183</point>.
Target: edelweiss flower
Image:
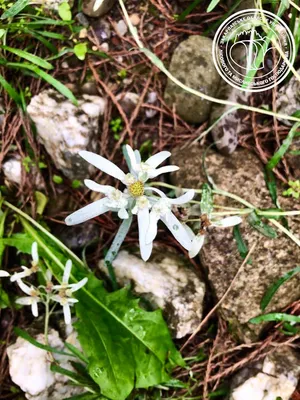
<point>34,265</point>
<point>161,210</point>
<point>135,199</point>
<point>4,274</point>
<point>33,297</point>
<point>198,240</point>
<point>66,290</point>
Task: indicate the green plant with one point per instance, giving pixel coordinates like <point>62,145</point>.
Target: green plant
<point>293,190</point>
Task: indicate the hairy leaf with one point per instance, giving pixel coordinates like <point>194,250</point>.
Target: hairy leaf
<point>206,203</point>
<point>256,222</point>
<point>126,346</point>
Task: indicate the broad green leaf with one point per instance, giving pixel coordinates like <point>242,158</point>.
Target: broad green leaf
<point>64,11</point>
<point>126,346</point>
<point>276,317</point>
<point>212,5</point>
<point>28,56</point>
<point>10,90</point>
<point>283,148</point>
<point>14,9</point>
<point>256,222</point>
<point>21,241</point>
<point>80,51</point>
<point>206,203</point>
<point>48,78</point>
<point>273,289</point>
<point>41,202</point>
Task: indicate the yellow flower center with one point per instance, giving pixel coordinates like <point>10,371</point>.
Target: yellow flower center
<point>136,189</point>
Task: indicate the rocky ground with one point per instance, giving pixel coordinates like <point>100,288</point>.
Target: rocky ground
<point>123,98</point>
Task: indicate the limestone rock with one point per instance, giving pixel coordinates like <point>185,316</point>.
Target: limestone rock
<point>167,283</point>
<point>65,129</point>
<point>288,99</point>
<point>104,7</point>
<point>34,376</point>
<point>275,377</point>
<point>12,170</point>
<point>242,174</point>
<point>193,65</point>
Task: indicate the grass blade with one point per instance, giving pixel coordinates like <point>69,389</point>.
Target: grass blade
<point>256,222</point>
<point>14,9</point>
<point>29,57</point>
<point>212,5</point>
<point>188,10</point>
<point>10,90</point>
<point>273,289</point>
<point>48,78</point>
<point>283,148</point>
<point>30,339</point>
<point>242,247</point>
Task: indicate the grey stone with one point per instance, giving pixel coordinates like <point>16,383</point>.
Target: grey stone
<point>242,175</point>
<point>193,65</point>
<point>65,129</point>
<point>166,282</point>
<point>128,101</point>
<point>105,6</point>
<point>274,377</point>
<point>288,99</point>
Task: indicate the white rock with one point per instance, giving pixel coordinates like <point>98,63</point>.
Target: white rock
<point>12,170</point>
<point>65,129</point>
<point>128,101</point>
<point>167,283</point>
<point>51,4</point>
<point>29,368</point>
<point>278,378</point>
<point>121,28</point>
<point>151,99</point>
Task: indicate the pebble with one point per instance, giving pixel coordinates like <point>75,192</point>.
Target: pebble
<point>121,28</point>
<point>135,19</point>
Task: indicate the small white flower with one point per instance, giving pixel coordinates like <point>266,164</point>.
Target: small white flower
<point>34,265</point>
<point>33,297</point>
<point>66,290</point>
<point>4,274</point>
<point>161,210</point>
<point>65,285</point>
<point>198,240</point>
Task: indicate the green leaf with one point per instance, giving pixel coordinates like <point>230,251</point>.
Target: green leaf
<point>30,339</point>
<point>273,289</point>
<point>212,5</point>
<point>57,179</point>
<point>64,11</point>
<point>10,90</point>
<point>4,298</point>
<point>80,50</point>
<point>126,346</point>
<point>188,10</point>
<point>206,203</point>
<point>28,56</point>
<point>2,225</point>
<point>242,247</point>
<point>271,184</point>
<point>41,202</point>
<point>76,352</point>
<point>277,317</point>
<point>256,222</point>
<point>48,78</point>
<point>20,241</point>
<point>14,9</point>
<point>283,148</point>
